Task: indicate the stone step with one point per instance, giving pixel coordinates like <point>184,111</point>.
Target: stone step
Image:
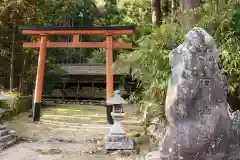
<point>3,132</point>
<point>12,132</point>
<point>8,143</point>
<point>11,142</point>
<point>3,126</point>
<point>5,138</point>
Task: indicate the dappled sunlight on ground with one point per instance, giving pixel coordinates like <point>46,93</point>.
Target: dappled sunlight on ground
<point>76,131</point>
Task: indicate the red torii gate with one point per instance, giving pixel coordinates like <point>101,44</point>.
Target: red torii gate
<point>43,44</point>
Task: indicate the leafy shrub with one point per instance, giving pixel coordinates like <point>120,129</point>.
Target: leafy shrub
<point>149,63</point>
<point>15,105</point>
<point>149,60</point>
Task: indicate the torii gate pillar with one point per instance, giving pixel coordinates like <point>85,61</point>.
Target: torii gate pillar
<point>109,71</point>
<point>39,78</point>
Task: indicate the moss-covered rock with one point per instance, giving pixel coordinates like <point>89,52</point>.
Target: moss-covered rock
<point>14,105</point>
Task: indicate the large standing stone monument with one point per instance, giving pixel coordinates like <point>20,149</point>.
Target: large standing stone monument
<point>196,106</point>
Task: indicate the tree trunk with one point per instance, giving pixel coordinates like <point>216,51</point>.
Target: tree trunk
<point>173,10</point>
<point>12,59</point>
<point>189,4</point>
<point>21,82</point>
<point>166,8</point>
<point>186,5</point>
<point>156,13</point>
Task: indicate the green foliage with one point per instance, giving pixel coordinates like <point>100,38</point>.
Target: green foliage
<point>67,13</point>
<point>149,60</point>
<point>18,10</point>
<point>99,56</point>
<point>135,12</point>
<point>223,25</point>
<point>149,63</point>
<point>40,13</point>
<point>15,105</point>
<point>54,74</point>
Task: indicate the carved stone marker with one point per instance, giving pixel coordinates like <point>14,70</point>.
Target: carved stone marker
<point>234,147</point>
<point>196,106</point>
<point>117,138</point>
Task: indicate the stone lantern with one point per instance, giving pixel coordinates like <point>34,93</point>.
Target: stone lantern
<point>116,138</point>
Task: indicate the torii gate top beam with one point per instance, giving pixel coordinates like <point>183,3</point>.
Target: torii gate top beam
<point>76,32</point>
<point>91,30</point>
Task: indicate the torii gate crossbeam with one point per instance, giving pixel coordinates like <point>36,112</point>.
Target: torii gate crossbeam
<point>43,44</point>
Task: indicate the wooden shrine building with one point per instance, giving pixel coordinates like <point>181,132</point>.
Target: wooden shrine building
<point>88,82</point>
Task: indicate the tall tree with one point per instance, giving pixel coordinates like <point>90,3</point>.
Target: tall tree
<point>12,56</point>
<point>173,9</point>
<point>166,9</point>
<point>156,13</point>
<point>12,14</point>
<point>189,4</point>
<point>9,6</point>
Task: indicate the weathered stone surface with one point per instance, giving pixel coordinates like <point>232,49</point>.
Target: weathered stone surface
<point>3,132</point>
<point>3,126</point>
<point>54,151</point>
<point>196,106</point>
<point>118,142</point>
<point>157,129</point>
<point>8,143</point>
<point>2,111</point>
<point>234,147</point>
<point>7,137</point>
<point>12,132</point>
<point>117,139</point>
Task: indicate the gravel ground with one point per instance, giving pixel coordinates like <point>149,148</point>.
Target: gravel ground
<point>66,133</point>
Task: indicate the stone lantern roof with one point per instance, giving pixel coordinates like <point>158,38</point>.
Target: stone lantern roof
<point>116,99</point>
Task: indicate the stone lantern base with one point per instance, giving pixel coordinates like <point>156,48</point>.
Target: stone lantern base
<point>117,138</point>
<point>118,142</point>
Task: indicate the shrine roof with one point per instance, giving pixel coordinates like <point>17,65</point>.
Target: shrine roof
<point>91,69</point>
<point>41,28</point>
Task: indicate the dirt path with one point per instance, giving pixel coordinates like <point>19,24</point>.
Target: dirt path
<point>66,133</point>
